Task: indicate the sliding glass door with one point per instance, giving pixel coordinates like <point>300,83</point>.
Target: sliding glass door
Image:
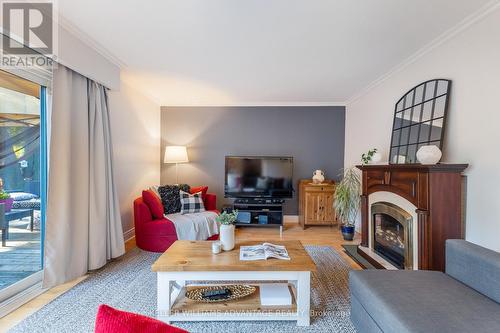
<point>22,183</point>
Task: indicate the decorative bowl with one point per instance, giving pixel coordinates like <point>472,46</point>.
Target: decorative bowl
<point>429,154</point>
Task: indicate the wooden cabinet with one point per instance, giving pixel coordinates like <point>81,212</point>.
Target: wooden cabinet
<point>316,203</point>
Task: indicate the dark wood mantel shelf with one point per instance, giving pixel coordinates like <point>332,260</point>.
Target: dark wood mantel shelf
<point>441,167</point>
<point>438,193</point>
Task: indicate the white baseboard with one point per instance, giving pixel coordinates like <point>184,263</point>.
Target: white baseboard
<point>289,219</point>
<point>129,234</point>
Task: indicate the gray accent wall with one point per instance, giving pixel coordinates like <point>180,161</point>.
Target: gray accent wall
<point>313,135</point>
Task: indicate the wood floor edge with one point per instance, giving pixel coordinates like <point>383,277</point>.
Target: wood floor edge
<point>130,244</point>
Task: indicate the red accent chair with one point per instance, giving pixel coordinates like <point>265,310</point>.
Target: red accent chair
<point>157,235</point>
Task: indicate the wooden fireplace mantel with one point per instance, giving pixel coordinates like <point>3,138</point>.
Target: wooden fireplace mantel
<point>438,193</point>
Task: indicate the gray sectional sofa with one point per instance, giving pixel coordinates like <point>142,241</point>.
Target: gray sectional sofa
<point>464,299</point>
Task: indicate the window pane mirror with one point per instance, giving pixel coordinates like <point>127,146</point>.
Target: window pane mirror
<point>419,120</point>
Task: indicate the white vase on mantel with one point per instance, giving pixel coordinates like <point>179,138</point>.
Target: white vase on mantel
<point>226,235</point>
<point>376,158</point>
<point>429,154</point>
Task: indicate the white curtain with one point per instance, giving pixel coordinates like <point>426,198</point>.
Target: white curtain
<point>83,228</point>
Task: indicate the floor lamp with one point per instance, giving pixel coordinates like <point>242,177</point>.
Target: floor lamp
<point>176,154</point>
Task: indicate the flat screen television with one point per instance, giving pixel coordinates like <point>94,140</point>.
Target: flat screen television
<point>258,177</point>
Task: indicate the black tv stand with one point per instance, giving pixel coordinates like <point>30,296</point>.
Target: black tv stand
<point>259,201</point>
<point>259,212</point>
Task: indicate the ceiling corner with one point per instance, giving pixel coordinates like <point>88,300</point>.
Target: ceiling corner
<point>90,42</point>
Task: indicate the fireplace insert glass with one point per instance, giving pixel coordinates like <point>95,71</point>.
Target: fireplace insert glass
<point>389,239</point>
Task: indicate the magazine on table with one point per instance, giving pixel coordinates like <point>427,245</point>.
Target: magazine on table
<point>263,252</point>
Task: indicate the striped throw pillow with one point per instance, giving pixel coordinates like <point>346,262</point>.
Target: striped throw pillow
<point>191,203</point>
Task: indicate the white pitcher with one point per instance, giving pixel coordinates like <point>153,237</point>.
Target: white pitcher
<point>318,177</point>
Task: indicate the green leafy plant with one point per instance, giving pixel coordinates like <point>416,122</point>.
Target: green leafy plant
<point>226,218</point>
<point>347,197</point>
<point>366,158</point>
<point>4,195</point>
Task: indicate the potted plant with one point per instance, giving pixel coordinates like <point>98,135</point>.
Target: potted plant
<point>372,156</point>
<point>346,202</point>
<point>6,200</point>
<point>226,233</point>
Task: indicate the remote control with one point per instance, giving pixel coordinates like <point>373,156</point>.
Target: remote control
<point>216,293</point>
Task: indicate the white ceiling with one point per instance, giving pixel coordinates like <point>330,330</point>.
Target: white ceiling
<point>230,52</point>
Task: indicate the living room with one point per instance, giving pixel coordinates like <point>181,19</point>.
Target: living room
<point>273,166</point>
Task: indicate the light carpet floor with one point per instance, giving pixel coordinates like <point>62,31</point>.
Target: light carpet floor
<point>129,284</point>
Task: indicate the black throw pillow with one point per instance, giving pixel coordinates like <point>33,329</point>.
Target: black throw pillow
<point>171,198</point>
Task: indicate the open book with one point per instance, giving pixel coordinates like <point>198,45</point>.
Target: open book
<point>264,251</point>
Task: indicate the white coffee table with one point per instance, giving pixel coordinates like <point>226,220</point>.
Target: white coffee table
<point>194,262</point>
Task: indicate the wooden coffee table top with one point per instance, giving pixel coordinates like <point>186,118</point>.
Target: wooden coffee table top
<point>197,256</point>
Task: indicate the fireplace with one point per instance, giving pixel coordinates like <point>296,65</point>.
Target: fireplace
<point>436,194</point>
<point>392,236</point>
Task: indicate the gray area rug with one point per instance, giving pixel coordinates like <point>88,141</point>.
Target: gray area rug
<point>129,284</point>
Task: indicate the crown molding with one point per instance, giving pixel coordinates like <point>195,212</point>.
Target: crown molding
<point>89,41</point>
<point>255,104</point>
<point>467,22</point>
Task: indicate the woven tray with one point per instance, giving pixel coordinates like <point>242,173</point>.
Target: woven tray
<point>237,291</point>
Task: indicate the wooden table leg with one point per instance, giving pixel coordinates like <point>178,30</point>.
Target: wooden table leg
<point>303,298</point>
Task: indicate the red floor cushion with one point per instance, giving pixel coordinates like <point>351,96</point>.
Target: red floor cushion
<point>154,203</point>
<point>112,320</point>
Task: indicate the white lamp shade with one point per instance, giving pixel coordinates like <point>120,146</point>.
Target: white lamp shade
<point>175,154</point>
